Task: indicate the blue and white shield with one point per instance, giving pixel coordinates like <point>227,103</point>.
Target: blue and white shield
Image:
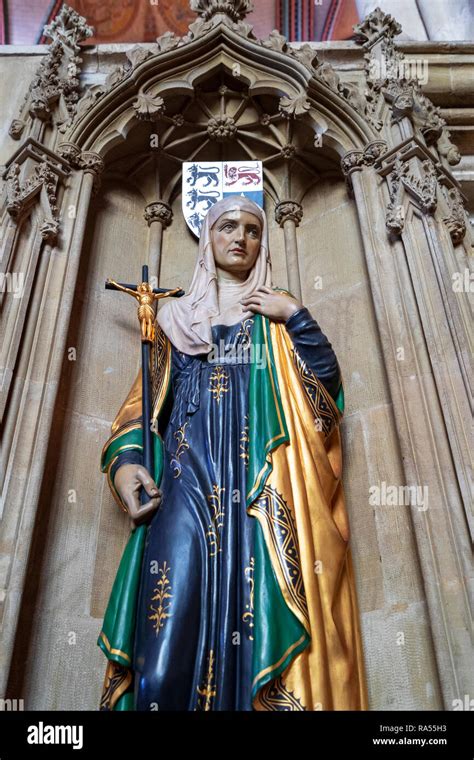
<point>206,182</point>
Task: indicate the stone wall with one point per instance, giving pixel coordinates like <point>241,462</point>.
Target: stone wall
<point>62,534</point>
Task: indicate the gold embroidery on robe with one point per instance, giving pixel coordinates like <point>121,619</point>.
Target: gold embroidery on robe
<point>244,443</point>
<point>218,383</point>
<point>245,332</point>
<point>248,615</point>
<point>207,691</point>
<point>161,594</point>
<point>217,518</point>
<point>183,444</point>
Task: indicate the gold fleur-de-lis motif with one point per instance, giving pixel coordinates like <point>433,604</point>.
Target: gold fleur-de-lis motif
<point>245,332</point>
<point>244,443</point>
<point>161,593</point>
<point>217,519</point>
<point>218,383</point>
<point>179,434</point>
<point>207,691</point>
<point>247,617</point>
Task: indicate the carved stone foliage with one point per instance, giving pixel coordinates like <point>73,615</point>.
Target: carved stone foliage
<point>355,160</point>
<point>236,10</point>
<point>377,33</point>
<point>293,107</point>
<point>422,188</point>
<point>455,220</point>
<point>149,107</point>
<point>288,210</point>
<point>56,83</point>
<point>389,82</point>
<point>275,129</point>
<point>89,161</point>
<point>159,211</point>
<point>375,26</point>
<point>230,13</point>
<point>32,177</point>
<point>411,169</point>
<point>221,128</point>
<point>406,99</point>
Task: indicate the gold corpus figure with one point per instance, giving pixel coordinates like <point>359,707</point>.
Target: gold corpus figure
<point>146,313</point>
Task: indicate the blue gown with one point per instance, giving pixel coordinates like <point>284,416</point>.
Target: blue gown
<point>193,643</point>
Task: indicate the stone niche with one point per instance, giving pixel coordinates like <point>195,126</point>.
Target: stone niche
<point>364,193</point>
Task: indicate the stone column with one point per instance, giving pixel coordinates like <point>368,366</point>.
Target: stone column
<point>33,178</point>
<point>158,215</point>
<point>34,417</point>
<point>289,214</point>
<point>419,353</point>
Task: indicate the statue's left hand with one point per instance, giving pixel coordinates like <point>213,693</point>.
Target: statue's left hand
<point>271,303</point>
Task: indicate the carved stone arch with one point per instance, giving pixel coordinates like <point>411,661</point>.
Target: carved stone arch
<point>246,99</point>
<point>387,289</point>
<point>263,67</point>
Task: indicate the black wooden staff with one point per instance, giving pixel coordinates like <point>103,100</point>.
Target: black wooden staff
<point>145,295</point>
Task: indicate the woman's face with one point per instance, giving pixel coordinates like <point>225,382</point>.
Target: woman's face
<point>235,238</point>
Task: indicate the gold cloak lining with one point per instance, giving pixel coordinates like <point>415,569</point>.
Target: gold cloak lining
<point>306,479</point>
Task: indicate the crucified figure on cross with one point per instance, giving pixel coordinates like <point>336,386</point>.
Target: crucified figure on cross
<point>146,296</point>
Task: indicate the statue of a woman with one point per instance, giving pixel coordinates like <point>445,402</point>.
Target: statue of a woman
<point>236,589</point>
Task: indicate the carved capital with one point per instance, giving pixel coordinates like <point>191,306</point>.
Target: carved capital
<point>91,163</point>
<point>286,210</point>
<point>355,160</point>
<point>159,211</point>
<point>70,153</point>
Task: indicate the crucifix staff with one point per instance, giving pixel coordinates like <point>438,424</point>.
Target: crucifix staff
<point>146,297</point>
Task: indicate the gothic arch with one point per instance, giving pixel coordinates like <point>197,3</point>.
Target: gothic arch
<point>395,152</point>
<point>180,66</point>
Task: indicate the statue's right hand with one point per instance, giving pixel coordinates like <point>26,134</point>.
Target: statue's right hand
<point>129,480</point>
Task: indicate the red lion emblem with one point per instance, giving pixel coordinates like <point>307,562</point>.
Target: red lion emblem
<point>248,174</point>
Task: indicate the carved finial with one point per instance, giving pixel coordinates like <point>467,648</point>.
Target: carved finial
<point>376,25</point>
<point>234,9</point>
<point>68,27</point>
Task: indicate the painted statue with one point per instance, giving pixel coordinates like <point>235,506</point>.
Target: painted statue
<point>236,588</point>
